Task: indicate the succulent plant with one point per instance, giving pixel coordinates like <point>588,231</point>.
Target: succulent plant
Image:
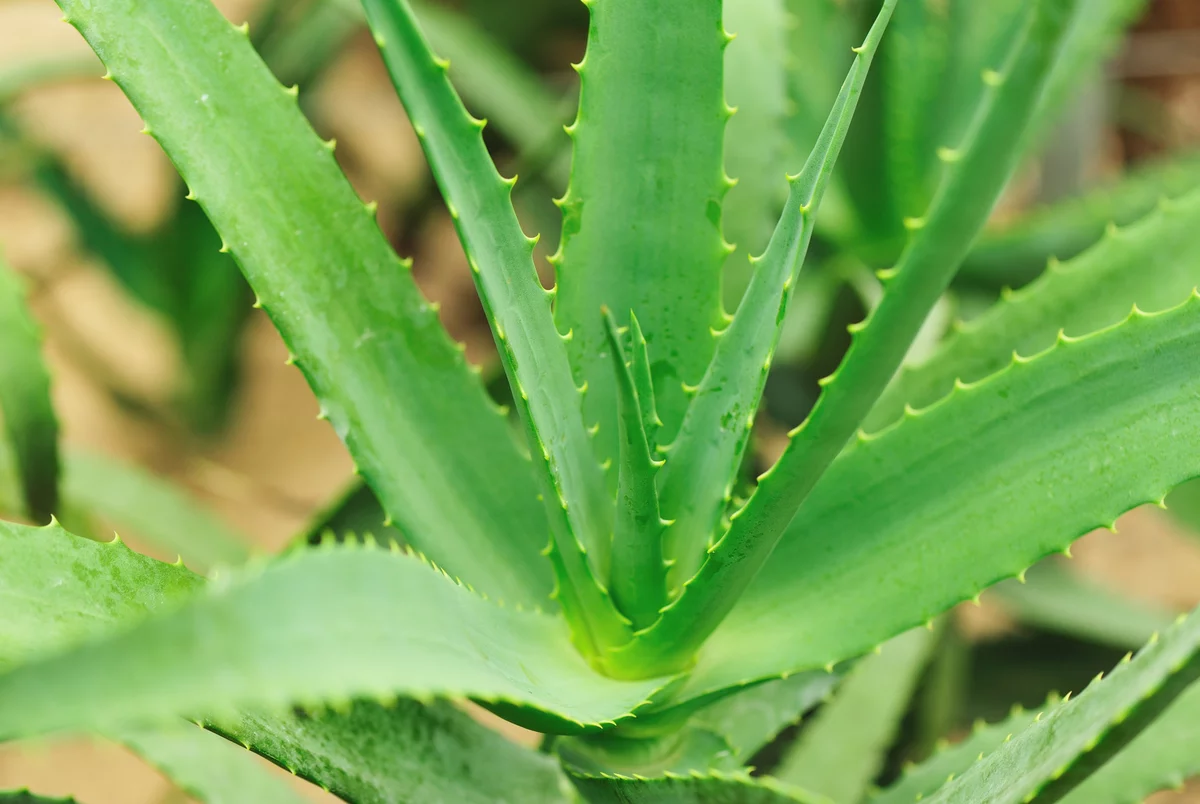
<point>597,567</point>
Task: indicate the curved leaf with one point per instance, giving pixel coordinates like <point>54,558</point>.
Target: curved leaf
<point>315,627</point>
<point>29,420</point>
<point>518,308</point>
<point>57,590</point>
<point>1153,264</point>
<point>919,781</point>
<point>207,767</point>
<point>1075,738</point>
<point>390,381</point>
<point>843,748</point>
<point>972,490</point>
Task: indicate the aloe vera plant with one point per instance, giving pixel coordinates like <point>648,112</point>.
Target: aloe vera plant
<point>596,567</point>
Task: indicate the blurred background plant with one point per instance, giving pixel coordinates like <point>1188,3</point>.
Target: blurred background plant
<point>182,427</point>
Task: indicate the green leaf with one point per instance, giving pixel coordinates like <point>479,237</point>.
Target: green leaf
<point>1153,264</point>
<point>29,420</point>
<point>127,496</point>
<point>393,386</point>
<point>533,353</point>
<point>755,85</point>
<point>975,175</point>
<point>843,748</point>
<point>315,627</point>
<point>1015,254</point>
<point>639,574</point>
<point>207,767</point>
<point>57,590</point>
<point>410,751</point>
<point>973,490</point>
<point>1055,599</point>
<point>702,464</point>
<point>685,751</point>
<point>1075,738</point>
<point>1163,756</point>
<point>656,91</point>
<point>919,781</point>
<point>25,797</point>
<point>712,788</point>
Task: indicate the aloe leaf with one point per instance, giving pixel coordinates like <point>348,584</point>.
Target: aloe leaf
<point>643,380</point>
<point>532,351</point>
<point>715,787</point>
<point>976,172</point>
<point>1015,254</point>
<point>919,781</point>
<point>207,767</point>
<point>702,464</point>
<point>843,748</point>
<point>639,574</point>
<point>25,797</point>
<point>394,387</point>
<point>1053,598</point>
<point>315,627</point>
<point>755,85</point>
<point>58,590</point>
<point>686,751</point>
<point>970,491</point>
<point>665,211</point>
<point>29,420</point>
<point>162,515</point>
<point>1057,752</point>
<point>1153,264</point>
<point>1161,757</point>
<point>409,751</point>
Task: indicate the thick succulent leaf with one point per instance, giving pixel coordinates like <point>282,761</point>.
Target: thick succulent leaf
<point>534,355</point>
<point>972,490</point>
<point>29,420</point>
<point>639,574</point>
<point>842,750</point>
<point>749,719</point>
<point>1015,254</point>
<point>1153,264</point>
<point>656,91</point>
<point>127,496</point>
<point>703,462</point>
<point>207,767</point>
<point>395,388</point>
<point>1163,756</point>
<point>756,64</point>
<point>411,751</point>
<point>684,751</point>
<point>1053,598</point>
<point>975,176</point>
<point>315,627</point>
<point>1057,752</point>
<point>58,590</point>
<point>712,788</point>
<point>919,781</point>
